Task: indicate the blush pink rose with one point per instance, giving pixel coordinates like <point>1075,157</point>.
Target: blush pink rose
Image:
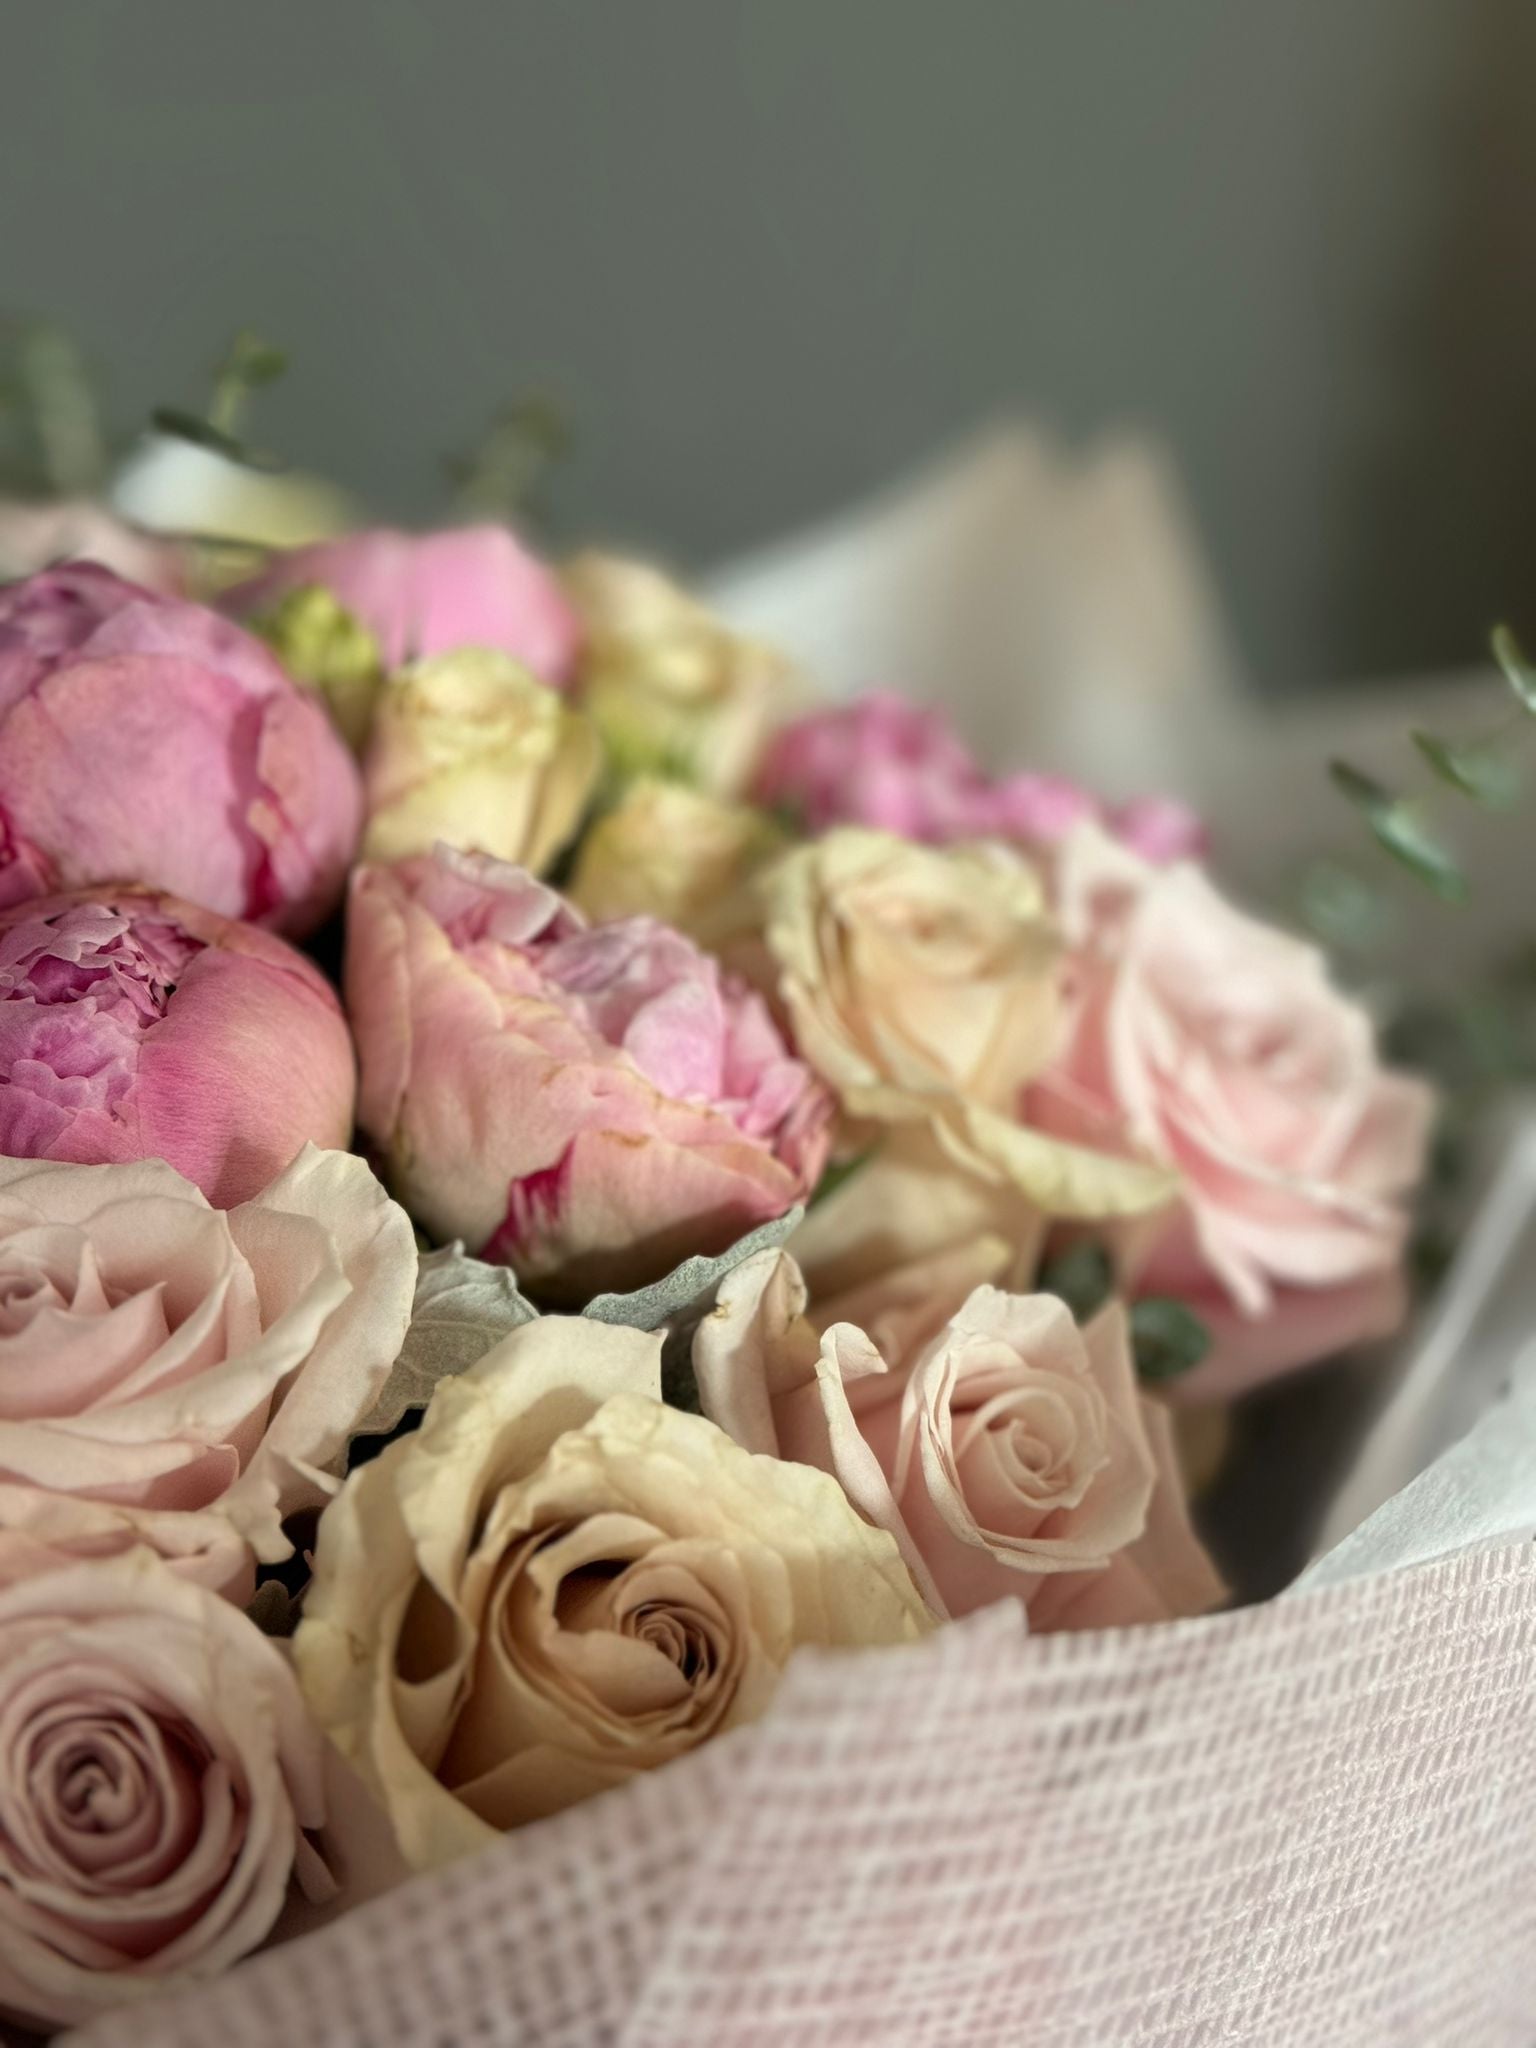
<point>1216,1045</point>
<point>426,594</point>
<point>184,1377</point>
<point>589,1104</point>
<point>900,767</point>
<point>1007,1451</point>
<point>142,740</point>
<point>39,535</point>
<point>135,1026</point>
<point>158,1774</point>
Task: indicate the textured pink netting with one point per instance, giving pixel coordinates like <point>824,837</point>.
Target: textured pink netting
<point>1312,1822</point>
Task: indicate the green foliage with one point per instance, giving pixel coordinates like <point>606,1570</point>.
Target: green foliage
<point>1400,830</point>
<point>1167,1338</point>
<point>1083,1276</point>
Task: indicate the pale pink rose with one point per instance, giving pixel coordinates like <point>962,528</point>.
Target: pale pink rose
<point>143,740</point>
<point>900,767</point>
<point>589,1104</point>
<point>1007,1451</point>
<point>184,1377</point>
<point>135,1026</point>
<point>157,1775</point>
<point>429,593</point>
<point>1217,1045</point>
<point>37,535</point>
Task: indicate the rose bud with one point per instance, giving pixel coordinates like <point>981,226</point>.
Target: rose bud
<point>147,740</point>
<point>473,750</point>
<point>673,690</point>
<point>159,1775</point>
<point>424,594</point>
<point>666,850</point>
<point>588,1104</point>
<point>135,1026</point>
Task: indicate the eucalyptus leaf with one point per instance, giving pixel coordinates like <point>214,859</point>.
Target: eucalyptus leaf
<point>1479,769</point>
<point>1401,832</point>
<point>1167,1338</point>
<point>463,1308</point>
<point>1083,1276</point>
<point>1510,656</point>
<point>665,1300</point>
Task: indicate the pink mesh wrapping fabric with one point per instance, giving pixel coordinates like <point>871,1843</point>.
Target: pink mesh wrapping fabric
<point>1308,1823</point>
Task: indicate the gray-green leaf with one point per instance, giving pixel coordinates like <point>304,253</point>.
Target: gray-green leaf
<point>1167,1338</point>
<point>667,1299</point>
<point>463,1308</point>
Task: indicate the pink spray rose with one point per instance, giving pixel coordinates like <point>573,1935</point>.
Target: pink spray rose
<point>900,767</point>
<point>1216,1044</point>
<point>135,1026</point>
<point>184,1377</point>
<point>426,594</point>
<point>1007,1451</point>
<point>143,740</point>
<point>588,1103</point>
<point>36,536</point>
<point>157,1775</point>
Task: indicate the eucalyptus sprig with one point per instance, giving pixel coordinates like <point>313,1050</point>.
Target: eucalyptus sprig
<point>1483,770</point>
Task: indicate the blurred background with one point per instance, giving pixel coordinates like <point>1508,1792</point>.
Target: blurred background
<point>769,252</point>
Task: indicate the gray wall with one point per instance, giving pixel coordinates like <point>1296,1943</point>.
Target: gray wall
<point>770,249</point>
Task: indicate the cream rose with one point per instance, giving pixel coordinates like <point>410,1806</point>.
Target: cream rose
<point>472,749</point>
<point>1005,1450</point>
<point>670,686</point>
<point>182,1376</point>
<point>676,853</point>
<point>1214,1043</point>
<point>157,1771</point>
<point>913,973</point>
<point>558,1582</point>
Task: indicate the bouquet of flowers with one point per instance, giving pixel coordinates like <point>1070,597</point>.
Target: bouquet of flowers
<point>731,1183</point>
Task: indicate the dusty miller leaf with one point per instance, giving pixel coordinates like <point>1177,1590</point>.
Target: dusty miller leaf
<point>664,1301</point>
<point>463,1307</point>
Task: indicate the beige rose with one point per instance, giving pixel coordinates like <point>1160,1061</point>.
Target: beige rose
<point>671,687</point>
<point>913,973</point>
<point>471,749</point>
<point>1005,1450</point>
<point>558,1582</point>
<point>672,852</point>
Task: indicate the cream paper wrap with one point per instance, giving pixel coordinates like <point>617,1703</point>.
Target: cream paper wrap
<point>1309,1823</point>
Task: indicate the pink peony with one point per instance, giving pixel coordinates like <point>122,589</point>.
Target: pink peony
<point>145,740</point>
<point>157,1775</point>
<point>589,1104</point>
<point>134,1026</point>
<point>884,762</point>
<point>426,594</point>
<point>879,761</point>
<point>1216,1045</point>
